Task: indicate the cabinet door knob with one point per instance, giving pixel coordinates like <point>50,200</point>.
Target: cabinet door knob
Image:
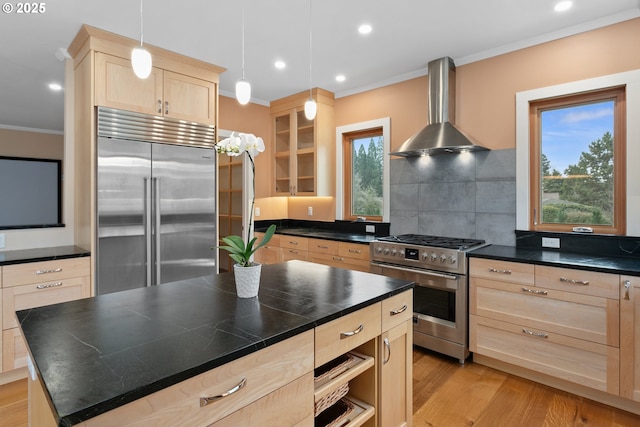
<point>159,106</point>
<point>204,401</point>
<point>166,107</point>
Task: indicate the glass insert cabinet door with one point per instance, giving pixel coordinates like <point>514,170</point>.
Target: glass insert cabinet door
<point>233,199</point>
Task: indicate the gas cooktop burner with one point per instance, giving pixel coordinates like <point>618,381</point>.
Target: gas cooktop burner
<point>435,241</point>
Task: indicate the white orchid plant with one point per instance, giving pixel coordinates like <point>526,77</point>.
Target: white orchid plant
<point>236,145</point>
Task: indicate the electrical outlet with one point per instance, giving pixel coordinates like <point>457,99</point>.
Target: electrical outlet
<point>1,241</point>
<point>370,228</point>
<point>257,211</point>
<point>551,242</point>
<point>310,211</point>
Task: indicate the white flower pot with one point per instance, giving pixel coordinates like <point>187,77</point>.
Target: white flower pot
<point>247,280</point>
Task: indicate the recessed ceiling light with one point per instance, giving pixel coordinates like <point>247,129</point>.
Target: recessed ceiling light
<point>563,5</point>
<point>55,87</point>
<point>364,29</point>
<point>340,78</point>
<point>280,65</point>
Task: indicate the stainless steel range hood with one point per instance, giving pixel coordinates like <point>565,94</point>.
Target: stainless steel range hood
<point>441,135</point>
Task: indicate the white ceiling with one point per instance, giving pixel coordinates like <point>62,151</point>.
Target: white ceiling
<point>407,34</point>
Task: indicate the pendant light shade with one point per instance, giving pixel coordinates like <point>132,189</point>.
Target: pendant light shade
<point>141,62</point>
<point>140,57</point>
<point>243,92</point>
<point>310,107</point>
<point>243,88</point>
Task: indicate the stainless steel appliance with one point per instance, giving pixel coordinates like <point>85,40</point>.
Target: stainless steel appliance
<point>156,203</point>
<point>438,266</point>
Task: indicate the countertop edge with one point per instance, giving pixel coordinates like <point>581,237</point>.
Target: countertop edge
<point>25,256</point>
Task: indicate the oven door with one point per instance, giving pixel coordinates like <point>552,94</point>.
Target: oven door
<point>439,300</point>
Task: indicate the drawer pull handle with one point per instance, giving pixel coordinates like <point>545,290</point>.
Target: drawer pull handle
<point>627,286</point>
<point>575,282</point>
<point>159,106</point>
<point>398,311</point>
<point>166,105</point>
<point>55,270</point>
<point>323,247</point>
<point>204,401</point>
<point>352,333</point>
<point>337,258</point>
<point>387,346</point>
<point>495,270</point>
<point>355,251</point>
<point>294,243</point>
<point>535,334</point>
<point>49,285</point>
<point>293,252</point>
<point>533,291</point>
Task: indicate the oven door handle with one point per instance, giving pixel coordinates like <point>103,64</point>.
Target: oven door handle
<point>417,270</point>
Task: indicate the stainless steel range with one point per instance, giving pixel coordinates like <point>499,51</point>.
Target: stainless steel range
<point>438,266</point>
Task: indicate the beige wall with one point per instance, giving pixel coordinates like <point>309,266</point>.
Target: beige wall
<point>17,143</point>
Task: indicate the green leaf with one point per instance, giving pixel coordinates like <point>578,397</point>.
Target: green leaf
<point>267,236</point>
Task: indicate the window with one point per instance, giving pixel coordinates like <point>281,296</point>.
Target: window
<point>577,155</point>
<point>378,130</point>
<point>363,166</point>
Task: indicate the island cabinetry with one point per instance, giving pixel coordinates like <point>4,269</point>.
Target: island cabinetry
<point>396,360</point>
<point>630,337</point>
<point>37,284</point>
<point>279,373</point>
<point>163,93</point>
<point>304,149</point>
<point>349,343</point>
<point>560,322</point>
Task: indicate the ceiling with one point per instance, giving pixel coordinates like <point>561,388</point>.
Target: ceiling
<point>406,35</point>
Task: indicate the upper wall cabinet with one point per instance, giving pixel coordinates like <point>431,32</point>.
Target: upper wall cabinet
<point>304,150</point>
<point>163,93</point>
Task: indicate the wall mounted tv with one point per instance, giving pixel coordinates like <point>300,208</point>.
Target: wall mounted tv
<point>30,193</point>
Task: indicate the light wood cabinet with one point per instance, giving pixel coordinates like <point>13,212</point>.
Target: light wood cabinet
<point>304,150</point>
<point>163,93</point>
<point>396,361</point>
<point>230,202</point>
<point>271,253</point>
<point>630,337</point>
<point>560,324</point>
<point>36,284</point>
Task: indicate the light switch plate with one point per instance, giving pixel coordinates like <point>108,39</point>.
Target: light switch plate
<point>310,211</point>
<point>551,242</point>
<point>1,240</point>
<point>257,211</point>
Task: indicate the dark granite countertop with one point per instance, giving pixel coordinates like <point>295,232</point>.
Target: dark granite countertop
<point>328,235</point>
<point>96,354</point>
<point>615,265</point>
<point>41,254</point>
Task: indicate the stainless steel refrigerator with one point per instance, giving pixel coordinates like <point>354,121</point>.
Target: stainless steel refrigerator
<point>156,203</point>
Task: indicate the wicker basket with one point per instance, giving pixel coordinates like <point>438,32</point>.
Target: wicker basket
<point>329,369</point>
<point>331,398</point>
<point>336,416</point>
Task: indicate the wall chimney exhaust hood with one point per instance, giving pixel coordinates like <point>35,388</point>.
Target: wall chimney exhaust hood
<point>441,135</point>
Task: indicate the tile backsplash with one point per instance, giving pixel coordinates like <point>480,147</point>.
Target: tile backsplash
<point>470,195</point>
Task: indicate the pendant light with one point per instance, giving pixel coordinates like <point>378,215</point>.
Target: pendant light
<point>140,57</point>
<point>310,107</point>
<point>243,88</point>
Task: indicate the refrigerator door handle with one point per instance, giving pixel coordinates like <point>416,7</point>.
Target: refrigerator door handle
<point>147,229</point>
<point>157,227</point>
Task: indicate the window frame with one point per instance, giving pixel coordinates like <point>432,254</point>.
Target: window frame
<point>617,94</point>
<point>347,156</point>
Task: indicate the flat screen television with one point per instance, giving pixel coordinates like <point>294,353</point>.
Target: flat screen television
<point>30,193</point>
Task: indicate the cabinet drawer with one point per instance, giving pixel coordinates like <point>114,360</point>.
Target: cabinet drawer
<point>346,333</point>
<point>289,254</point>
<point>39,294</point>
<point>353,250</point>
<point>38,272</point>
<point>285,407</point>
<point>274,241</point>
<point>268,255</point>
<point>504,271</point>
<point>582,362</point>
<point>265,371</point>
<point>579,281</point>
<point>323,246</point>
<point>14,350</point>
<point>340,261</point>
<point>585,317</point>
<point>294,242</point>
<point>396,310</point>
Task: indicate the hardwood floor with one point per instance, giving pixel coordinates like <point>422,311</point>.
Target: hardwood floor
<point>446,394</point>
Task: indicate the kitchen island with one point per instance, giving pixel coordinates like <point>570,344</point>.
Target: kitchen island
<point>150,356</point>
